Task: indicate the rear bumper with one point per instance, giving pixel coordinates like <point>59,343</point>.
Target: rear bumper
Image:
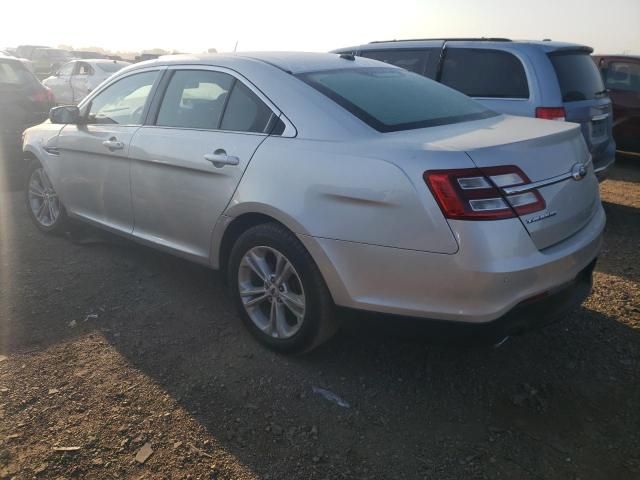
<point>603,159</point>
<point>541,311</point>
<point>496,269</point>
<point>527,316</point>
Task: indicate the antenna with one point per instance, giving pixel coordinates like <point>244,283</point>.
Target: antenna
<point>235,47</point>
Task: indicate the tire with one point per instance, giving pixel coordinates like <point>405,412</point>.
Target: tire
<point>293,329</point>
<point>39,191</point>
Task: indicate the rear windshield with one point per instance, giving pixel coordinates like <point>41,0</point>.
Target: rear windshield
<point>578,76</point>
<point>110,67</point>
<point>13,73</point>
<point>392,99</point>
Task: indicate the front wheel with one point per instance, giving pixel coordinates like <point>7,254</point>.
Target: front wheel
<point>279,290</point>
<point>43,204</point>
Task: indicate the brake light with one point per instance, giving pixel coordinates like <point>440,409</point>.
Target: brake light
<point>43,95</point>
<point>551,113</point>
<point>474,194</point>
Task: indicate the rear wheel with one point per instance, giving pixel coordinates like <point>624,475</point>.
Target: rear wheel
<point>279,290</point>
<point>43,204</point>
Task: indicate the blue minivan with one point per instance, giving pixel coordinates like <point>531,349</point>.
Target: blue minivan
<point>544,79</point>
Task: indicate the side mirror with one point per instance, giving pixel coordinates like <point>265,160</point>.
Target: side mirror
<point>67,114</point>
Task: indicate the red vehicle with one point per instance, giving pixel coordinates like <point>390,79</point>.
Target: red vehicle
<point>621,75</point>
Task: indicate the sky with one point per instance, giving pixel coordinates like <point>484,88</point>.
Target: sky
<point>611,26</point>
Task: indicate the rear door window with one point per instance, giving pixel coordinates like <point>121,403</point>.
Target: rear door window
<point>623,76</point>
<point>195,99</point>
<point>414,60</point>
<point>245,112</point>
<point>578,76</point>
<point>484,73</point>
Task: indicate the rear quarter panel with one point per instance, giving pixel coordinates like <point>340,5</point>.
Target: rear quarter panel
<point>332,190</point>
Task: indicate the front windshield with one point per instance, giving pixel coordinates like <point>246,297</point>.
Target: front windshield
<point>392,99</point>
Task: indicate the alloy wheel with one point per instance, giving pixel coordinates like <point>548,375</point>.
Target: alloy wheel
<point>271,292</point>
<point>43,200</point>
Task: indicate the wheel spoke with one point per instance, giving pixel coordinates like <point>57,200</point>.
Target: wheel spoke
<point>281,321</point>
<point>273,314</point>
<point>256,301</point>
<point>44,180</point>
<point>258,265</point>
<point>52,217</point>
<point>35,192</point>
<point>41,210</point>
<point>284,274</point>
<point>35,187</point>
<point>250,292</point>
<point>294,302</point>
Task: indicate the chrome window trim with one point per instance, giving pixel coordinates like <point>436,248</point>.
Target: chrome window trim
<point>542,183</point>
<point>213,130</point>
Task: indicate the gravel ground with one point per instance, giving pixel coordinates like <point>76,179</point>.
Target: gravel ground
<point>117,361</point>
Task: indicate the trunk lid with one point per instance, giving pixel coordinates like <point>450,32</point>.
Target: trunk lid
<point>552,156</point>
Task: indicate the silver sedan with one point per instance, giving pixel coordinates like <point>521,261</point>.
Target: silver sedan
<point>318,180</point>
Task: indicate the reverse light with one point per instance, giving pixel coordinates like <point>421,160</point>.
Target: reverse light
<point>474,194</point>
<point>551,113</point>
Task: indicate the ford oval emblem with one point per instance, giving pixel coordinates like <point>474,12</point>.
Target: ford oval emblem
<point>578,171</point>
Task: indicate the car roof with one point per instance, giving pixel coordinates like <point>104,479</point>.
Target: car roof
<point>290,62</point>
<point>101,61</point>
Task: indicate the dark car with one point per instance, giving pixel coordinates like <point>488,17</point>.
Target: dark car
<point>621,75</point>
<point>24,102</point>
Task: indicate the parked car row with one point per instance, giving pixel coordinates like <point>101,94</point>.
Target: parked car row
<point>74,80</point>
<point>45,61</point>
<point>316,181</point>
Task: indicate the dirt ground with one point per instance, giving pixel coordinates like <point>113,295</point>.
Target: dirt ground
<point>110,351</point>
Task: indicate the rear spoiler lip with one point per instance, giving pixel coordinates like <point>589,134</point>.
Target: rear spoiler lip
<point>572,49</point>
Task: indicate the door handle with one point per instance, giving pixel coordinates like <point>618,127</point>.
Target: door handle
<point>219,158</point>
<point>113,144</point>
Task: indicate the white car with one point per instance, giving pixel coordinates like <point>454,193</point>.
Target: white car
<point>76,79</point>
<point>316,180</point>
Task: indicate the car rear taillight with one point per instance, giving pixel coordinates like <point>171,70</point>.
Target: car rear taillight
<point>43,95</point>
<point>474,194</point>
<point>551,113</point>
